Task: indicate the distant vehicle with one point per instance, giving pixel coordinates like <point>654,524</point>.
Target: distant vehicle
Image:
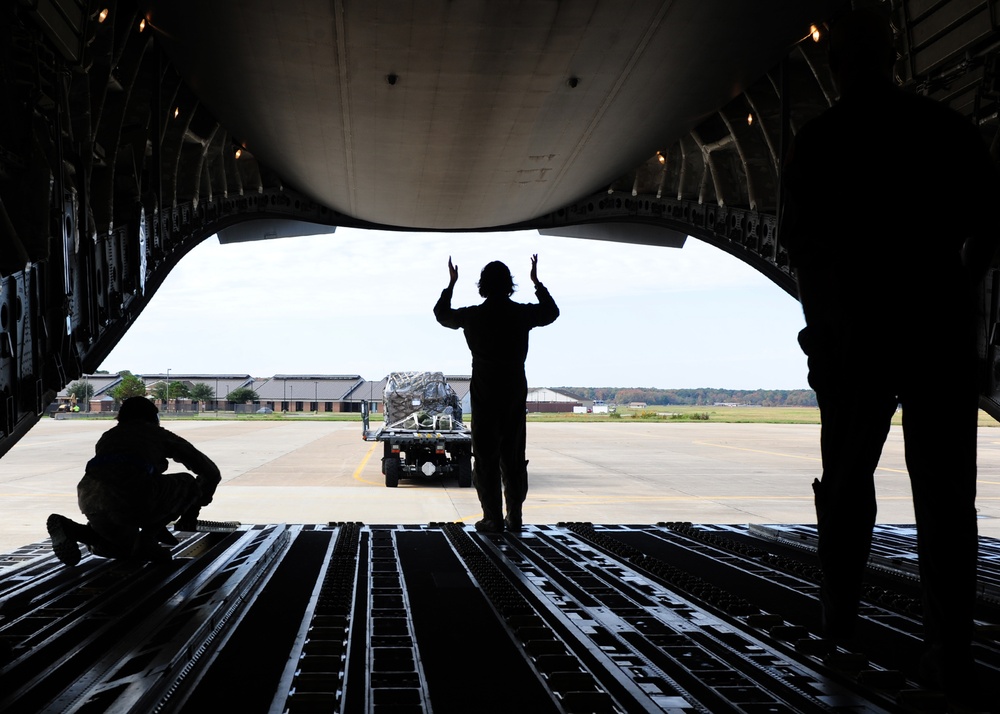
<point>423,436</point>
<point>265,410</point>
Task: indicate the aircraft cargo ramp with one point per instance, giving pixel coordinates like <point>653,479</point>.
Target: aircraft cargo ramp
<point>574,617</point>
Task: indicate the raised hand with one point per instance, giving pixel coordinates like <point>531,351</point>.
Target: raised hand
<point>452,273</point>
<point>534,269</point>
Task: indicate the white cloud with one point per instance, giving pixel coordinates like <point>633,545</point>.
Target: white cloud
<point>360,301</point>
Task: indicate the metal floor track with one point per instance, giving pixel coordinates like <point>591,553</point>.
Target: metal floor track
<point>394,619</point>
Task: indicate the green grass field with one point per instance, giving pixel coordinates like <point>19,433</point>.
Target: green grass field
<point>681,414</point>
<point>728,415</point>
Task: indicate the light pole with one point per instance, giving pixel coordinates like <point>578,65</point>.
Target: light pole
<point>166,394</point>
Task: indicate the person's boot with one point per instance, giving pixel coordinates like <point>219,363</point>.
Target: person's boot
<point>162,535</point>
<point>488,525</point>
<point>954,675</point>
<point>188,520</point>
<point>64,545</point>
<point>515,500</point>
<point>513,521</point>
<point>146,547</point>
<point>492,505</point>
<point>840,588</point>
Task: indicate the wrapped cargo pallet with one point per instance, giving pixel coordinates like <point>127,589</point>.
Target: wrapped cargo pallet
<point>420,400</point>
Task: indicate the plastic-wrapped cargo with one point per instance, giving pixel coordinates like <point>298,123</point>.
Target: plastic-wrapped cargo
<point>420,400</point>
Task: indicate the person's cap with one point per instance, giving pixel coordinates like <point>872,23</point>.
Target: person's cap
<point>138,409</point>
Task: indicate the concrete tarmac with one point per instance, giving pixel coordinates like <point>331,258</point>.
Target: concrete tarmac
<point>298,471</point>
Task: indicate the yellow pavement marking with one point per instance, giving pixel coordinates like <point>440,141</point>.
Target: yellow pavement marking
<point>787,456</point>
<point>757,451</point>
<point>361,467</point>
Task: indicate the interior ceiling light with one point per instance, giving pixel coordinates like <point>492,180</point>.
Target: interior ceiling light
<point>239,152</point>
<point>750,119</point>
<point>177,112</point>
<point>142,24</point>
<point>814,31</point>
<point>102,15</point>
<point>661,158</point>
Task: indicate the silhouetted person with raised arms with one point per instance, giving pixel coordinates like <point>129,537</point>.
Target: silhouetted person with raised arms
<point>127,495</point>
<point>497,334</point>
<point>890,224</point>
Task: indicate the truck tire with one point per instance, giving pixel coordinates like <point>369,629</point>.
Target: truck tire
<point>465,470</point>
<point>386,454</point>
<point>393,469</point>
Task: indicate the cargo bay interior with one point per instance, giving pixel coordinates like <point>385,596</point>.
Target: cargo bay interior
<point>132,130</point>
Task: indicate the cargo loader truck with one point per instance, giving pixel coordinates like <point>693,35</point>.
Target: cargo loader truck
<point>423,435</point>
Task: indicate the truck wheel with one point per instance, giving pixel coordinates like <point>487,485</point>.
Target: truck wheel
<point>386,454</point>
<point>465,470</point>
<point>392,471</point>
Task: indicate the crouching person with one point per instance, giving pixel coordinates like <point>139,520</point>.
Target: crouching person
<point>127,496</point>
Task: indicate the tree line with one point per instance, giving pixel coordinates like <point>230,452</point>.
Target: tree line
<point>132,386</point>
<point>697,397</point>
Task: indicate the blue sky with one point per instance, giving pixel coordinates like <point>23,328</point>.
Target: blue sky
<point>359,302</point>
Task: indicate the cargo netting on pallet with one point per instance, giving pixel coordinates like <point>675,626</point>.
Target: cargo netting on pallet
<point>421,400</point>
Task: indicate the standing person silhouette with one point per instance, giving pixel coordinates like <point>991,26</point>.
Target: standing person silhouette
<point>890,225</point>
<point>497,334</point>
